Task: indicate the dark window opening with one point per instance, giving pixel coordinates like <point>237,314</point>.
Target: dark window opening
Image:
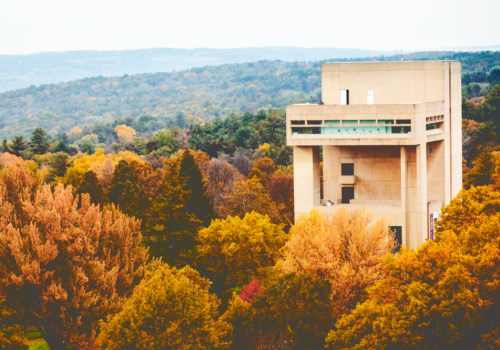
<point>347,169</point>
<point>347,97</point>
<point>403,121</point>
<point>398,236</point>
<point>347,194</point>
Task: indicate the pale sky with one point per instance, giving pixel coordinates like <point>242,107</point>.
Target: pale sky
<point>29,26</point>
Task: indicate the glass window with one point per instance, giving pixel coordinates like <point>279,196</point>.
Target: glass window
<point>347,169</point>
<point>369,96</point>
<point>344,97</point>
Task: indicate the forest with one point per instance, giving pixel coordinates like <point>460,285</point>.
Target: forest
<point>115,236</point>
<point>158,100</point>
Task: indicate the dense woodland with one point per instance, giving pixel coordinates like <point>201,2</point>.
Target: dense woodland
<point>160,100</point>
<point>113,236</point>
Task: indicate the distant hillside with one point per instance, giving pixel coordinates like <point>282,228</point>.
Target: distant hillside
<point>197,94</point>
<point>21,71</point>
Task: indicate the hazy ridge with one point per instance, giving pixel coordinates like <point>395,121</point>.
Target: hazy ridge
<point>21,71</point>
<point>200,94</point>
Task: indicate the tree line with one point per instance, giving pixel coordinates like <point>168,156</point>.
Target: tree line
<point>90,276</point>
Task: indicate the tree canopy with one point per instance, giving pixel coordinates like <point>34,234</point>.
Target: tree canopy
<point>67,263</point>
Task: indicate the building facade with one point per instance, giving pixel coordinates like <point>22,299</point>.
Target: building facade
<point>387,137</point>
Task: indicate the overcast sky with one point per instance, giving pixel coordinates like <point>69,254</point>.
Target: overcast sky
<point>28,26</point>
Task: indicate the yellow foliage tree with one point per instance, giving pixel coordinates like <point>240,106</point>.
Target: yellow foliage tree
<point>170,309</point>
<point>124,132</point>
<point>103,165</point>
<point>445,295</point>
<point>233,249</point>
<point>346,250</point>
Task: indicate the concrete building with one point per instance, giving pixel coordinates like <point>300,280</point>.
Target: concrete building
<point>389,138</point>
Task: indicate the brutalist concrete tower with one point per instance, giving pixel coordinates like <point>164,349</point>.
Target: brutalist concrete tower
<point>387,137</point>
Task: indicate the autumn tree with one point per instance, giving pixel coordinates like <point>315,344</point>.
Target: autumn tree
<point>11,332</point>
<point>124,132</point>
<point>469,207</point>
<point>281,191</point>
<point>262,169</point>
<point>326,268</point>
<point>233,249</point>
<point>445,295</point>
<point>484,171</point>
<point>247,196</point>
<point>221,176</point>
<point>66,262</point>
<point>170,309</point>
<point>346,250</point>
<point>293,311</point>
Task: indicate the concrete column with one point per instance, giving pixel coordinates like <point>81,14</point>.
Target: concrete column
<point>331,172</point>
<point>447,143</point>
<point>306,173</point>
<point>421,233</point>
<point>404,186</point>
<point>456,127</point>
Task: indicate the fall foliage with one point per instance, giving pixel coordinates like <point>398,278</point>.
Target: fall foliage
<point>246,196</point>
<point>233,249</point>
<point>346,250</point>
<point>124,132</point>
<point>444,295</point>
<point>170,309</point>
<point>67,263</point>
<point>11,332</point>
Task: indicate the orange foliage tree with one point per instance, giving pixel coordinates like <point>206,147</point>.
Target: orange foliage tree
<point>247,196</point>
<point>67,263</point>
<point>220,178</point>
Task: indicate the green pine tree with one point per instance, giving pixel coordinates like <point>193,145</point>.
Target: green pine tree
<point>90,184</point>
<point>126,189</point>
<point>18,145</point>
<point>179,209</point>
<point>39,142</point>
<point>197,202</point>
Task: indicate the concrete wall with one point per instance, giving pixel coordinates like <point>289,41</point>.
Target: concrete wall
<point>435,172</point>
<point>376,170</point>
<point>391,82</point>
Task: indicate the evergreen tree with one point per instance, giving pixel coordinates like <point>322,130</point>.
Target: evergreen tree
<point>18,145</point>
<point>59,164</point>
<point>39,143</point>
<point>90,184</point>
<point>5,146</point>
<point>197,202</point>
<point>126,190</point>
<point>180,208</point>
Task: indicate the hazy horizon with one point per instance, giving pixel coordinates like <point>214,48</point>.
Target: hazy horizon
<point>30,26</point>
